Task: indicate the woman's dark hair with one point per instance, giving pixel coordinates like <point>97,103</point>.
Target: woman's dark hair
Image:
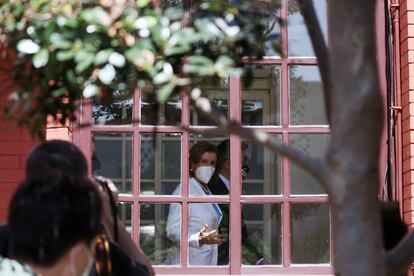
<point>56,158</point>
<point>48,217</point>
<point>197,150</point>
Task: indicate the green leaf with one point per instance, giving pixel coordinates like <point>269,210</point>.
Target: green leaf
<point>117,59</point>
<point>27,46</point>
<point>177,50</point>
<point>145,22</point>
<point>59,42</point>
<point>132,53</point>
<point>107,74</point>
<point>103,56</point>
<point>90,90</point>
<point>199,65</point>
<point>85,63</point>
<point>143,3</point>
<point>65,55</point>
<point>41,58</point>
<point>164,93</point>
<point>58,92</point>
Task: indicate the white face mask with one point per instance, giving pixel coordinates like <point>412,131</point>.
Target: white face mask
<point>204,173</point>
<point>88,267</point>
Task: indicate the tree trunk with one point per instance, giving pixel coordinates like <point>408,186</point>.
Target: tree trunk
<point>356,130</point>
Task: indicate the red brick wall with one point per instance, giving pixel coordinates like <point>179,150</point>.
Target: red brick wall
<point>15,146</point>
<point>407,90</point>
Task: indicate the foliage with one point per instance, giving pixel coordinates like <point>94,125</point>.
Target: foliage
<point>72,49</point>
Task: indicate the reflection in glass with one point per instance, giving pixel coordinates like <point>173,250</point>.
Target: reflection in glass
<point>313,145</point>
<point>153,234</point>
<point>169,3</point>
<point>264,177</point>
<point>154,113</point>
<point>218,96</point>
<point>112,158</point>
<point>299,43</point>
<point>271,13</point>
<point>117,112</point>
<point>261,99</point>
<point>310,233</point>
<point>307,106</point>
<point>124,210</point>
<point>160,164</point>
<point>261,234</point>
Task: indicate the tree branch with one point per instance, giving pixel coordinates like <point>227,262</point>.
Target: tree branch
<point>401,256</point>
<point>321,49</point>
<point>315,166</point>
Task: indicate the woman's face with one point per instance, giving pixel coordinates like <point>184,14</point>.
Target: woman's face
<point>207,159</point>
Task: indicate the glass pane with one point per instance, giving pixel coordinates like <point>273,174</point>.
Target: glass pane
<point>312,145</point>
<point>112,158</point>
<point>299,43</point>
<point>307,106</point>
<point>261,99</point>
<point>261,234</point>
<point>310,233</point>
<point>153,113</point>
<point>204,151</point>
<point>116,112</point>
<point>264,175</point>
<point>169,3</point>
<point>124,210</point>
<point>218,95</point>
<point>200,214</point>
<point>160,244</point>
<point>160,163</point>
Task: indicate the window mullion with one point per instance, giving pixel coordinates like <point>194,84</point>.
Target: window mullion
<point>235,179</point>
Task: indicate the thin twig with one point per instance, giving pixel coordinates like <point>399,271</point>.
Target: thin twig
<point>321,49</point>
<point>315,166</point>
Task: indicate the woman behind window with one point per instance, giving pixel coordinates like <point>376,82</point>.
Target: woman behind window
<point>203,218</point>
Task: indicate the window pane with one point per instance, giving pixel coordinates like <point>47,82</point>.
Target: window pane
<point>307,106</point>
<point>261,234</point>
<point>200,214</point>
<point>261,99</point>
<point>116,112</point>
<point>124,210</point>
<point>218,95</point>
<point>313,145</point>
<point>112,158</point>
<point>269,13</point>
<point>299,43</point>
<point>264,175</point>
<point>310,233</point>
<point>160,163</point>
<point>162,246</point>
<point>153,113</point>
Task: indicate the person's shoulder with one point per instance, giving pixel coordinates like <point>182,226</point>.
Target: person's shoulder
<point>217,186</point>
<point>10,267</point>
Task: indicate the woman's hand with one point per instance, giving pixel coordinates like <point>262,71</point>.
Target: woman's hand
<point>209,237</point>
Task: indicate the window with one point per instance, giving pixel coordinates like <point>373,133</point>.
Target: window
<point>277,211</point>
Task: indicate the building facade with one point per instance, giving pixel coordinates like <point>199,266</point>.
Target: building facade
<point>143,147</point>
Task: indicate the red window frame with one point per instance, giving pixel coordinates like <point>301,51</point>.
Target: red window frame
<point>83,137</point>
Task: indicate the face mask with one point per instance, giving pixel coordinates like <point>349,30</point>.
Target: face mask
<point>245,171</point>
<point>88,267</point>
<point>204,173</point>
